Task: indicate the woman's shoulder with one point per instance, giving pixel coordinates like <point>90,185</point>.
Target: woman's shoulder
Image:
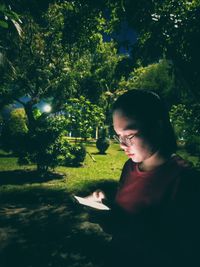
<point>191,175</point>
<point>188,171</point>
<point>181,162</point>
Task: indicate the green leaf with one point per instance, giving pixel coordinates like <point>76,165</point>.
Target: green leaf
<point>3,24</point>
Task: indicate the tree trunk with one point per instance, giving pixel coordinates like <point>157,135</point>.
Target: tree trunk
<point>28,107</point>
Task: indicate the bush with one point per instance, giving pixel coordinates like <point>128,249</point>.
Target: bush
<point>14,132</point>
<point>79,153</point>
<point>75,155</point>
<point>45,145</point>
<point>185,120</point>
<point>102,144</point>
<point>103,141</point>
<point>193,145</point>
<point>23,159</point>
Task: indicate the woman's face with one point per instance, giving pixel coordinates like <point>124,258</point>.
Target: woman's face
<point>139,149</point>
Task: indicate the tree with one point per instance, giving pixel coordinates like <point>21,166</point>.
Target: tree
<point>158,77</point>
<point>10,32</point>
<point>170,28</point>
<point>82,117</point>
<point>47,63</point>
<point>54,56</point>
<point>1,120</point>
<point>51,63</point>
<point>101,79</point>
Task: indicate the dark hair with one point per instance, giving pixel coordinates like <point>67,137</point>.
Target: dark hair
<point>151,116</point>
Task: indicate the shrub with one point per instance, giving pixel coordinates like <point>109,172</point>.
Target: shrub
<point>78,152</point>
<point>193,145</point>
<point>103,141</point>
<point>74,156</point>
<point>102,145</point>
<point>43,145</point>
<point>185,120</point>
<point>14,132</point>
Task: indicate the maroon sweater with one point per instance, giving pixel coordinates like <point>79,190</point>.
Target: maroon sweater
<point>154,219</point>
<point>139,190</point>
<point>160,215</point>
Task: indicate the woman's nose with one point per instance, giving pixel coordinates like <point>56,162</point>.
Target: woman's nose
<point>123,146</point>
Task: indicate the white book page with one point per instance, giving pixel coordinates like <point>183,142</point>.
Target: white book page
<point>91,203</point>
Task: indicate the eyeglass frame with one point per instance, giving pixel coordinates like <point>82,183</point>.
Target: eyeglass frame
<point>124,140</point>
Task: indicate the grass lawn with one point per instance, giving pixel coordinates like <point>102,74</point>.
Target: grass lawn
<point>17,178</point>
<point>40,223</point>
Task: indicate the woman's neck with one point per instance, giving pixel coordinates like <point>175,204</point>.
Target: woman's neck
<point>155,161</point>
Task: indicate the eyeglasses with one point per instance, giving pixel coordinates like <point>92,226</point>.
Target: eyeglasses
<point>126,140</point>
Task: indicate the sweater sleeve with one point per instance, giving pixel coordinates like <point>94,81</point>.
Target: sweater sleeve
<point>112,221</point>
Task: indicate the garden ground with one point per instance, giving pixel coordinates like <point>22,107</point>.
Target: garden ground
<point>40,222</point>
<point>44,234</point>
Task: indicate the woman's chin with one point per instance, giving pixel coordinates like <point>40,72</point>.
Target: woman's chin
<point>133,157</point>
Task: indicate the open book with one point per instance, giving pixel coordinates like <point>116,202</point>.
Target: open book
<point>87,201</point>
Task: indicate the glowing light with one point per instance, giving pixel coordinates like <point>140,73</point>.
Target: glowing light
<point>47,108</point>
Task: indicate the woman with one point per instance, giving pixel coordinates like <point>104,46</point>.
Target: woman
<point>151,214</point>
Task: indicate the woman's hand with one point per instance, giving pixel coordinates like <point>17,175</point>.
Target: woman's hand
<point>97,196</point>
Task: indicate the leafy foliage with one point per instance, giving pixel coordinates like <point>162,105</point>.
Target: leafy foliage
<point>55,59</point>
<point>14,132</point>
<point>169,28</point>
<point>74,156</point>
<point>186,120</point>
<point>193,145</point>
<point>9,19</point>
<point>158,77</point>
<point>83,117</point>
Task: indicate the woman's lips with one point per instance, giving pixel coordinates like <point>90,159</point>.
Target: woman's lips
<point>130,155</point>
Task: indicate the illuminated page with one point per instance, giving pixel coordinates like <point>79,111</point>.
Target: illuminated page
<point>91,203</point>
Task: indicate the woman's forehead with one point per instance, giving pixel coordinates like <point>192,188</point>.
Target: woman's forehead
<point>123,122</point>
